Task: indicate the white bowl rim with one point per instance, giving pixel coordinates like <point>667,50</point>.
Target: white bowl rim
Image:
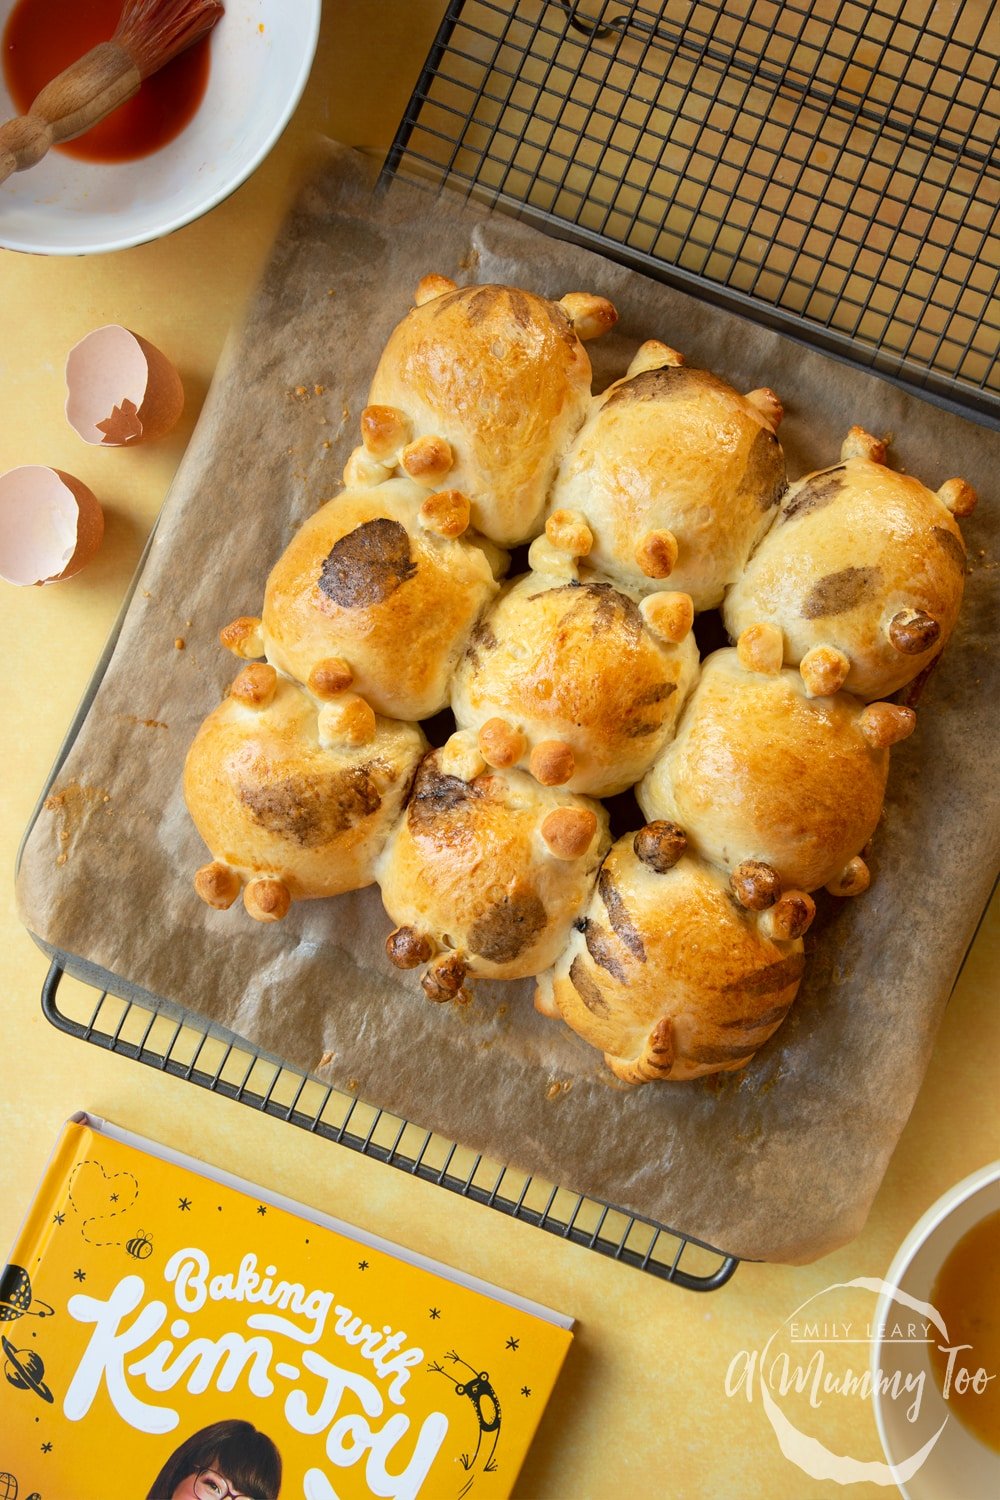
<point>935,1216</point>
<point>225,189</point>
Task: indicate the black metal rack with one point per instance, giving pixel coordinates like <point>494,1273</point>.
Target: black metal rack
<point>828,167</point>
<point>186,1047</point>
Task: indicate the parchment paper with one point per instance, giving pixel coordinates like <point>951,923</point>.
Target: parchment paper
<point>780,1162</point>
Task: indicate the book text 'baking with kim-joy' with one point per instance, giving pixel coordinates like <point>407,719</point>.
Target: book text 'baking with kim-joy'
<point>323,1396</point>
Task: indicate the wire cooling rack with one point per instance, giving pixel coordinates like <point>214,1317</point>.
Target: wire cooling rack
<point>828,167</point>
<point>184,1046</point>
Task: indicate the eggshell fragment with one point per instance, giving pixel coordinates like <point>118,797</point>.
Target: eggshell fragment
<point>120,389</point>
<point>50,525</point>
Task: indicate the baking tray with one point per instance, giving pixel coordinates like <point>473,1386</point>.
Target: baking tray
<point>483,59</point>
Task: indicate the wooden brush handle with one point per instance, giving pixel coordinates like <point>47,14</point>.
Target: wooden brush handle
<point>81,96</point>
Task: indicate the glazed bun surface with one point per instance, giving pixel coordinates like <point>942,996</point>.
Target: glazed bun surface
<point>758,771</point>
<point>271,799</point>
<point>675,451</point>
<point>501,375</point>
<point>470,867</point>
<point>365,581</point>
<point>575,663</point>
<point>854,549</point>
<point>669,978</point>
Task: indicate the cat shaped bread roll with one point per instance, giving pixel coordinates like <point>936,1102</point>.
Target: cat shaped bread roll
<point>862,572</point>
<point>574,680</point>
<point>378,590</point>
<point>487,871</point>
<point>676,474</point>
<point>780,790</point>
<point>666,974</point>
<point>481,389</point>
<point>294,798</point>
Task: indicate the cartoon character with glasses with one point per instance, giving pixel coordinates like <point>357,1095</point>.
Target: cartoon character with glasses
<point>227,1461</point>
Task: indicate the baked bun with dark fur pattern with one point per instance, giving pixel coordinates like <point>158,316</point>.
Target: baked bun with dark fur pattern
<point>666,974</point>
<point>487,871</point>
<point>294,798</point>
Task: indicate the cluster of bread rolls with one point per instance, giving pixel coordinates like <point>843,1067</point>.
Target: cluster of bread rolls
<point>676,950</point>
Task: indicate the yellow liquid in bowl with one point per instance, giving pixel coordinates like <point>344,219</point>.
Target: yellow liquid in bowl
<point>967,1295</point>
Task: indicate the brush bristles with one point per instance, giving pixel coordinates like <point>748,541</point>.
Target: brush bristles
<point>153,32</point>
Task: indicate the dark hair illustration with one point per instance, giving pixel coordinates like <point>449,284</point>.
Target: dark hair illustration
<point>235,1450</point>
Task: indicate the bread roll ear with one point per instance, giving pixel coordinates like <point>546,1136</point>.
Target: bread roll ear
<point>552,763</point>
<point>761,648</point>
<point>660,845</point>
<point>960,498</point>
<point>445,979</point>
<point>885,724</point>
<point>429,287</point>
<point>255,686</point>
<point>460,756</point>
<point>861,444</point>
<point>824,671</point>
<point>243,637</point>
<point>447,512</point>
<point>656,553</point>
<point>330,677</point>
<point>217,885</point>
<point>347,720</point>
<point>789,918</point>
<point>854,878</point>
<point>652,355</point>
<point>500,744</point>
<point>567,531</point>
<point>913,631</point>
<point>768,405</point>
<point>569,831</point>
<point>668,615</point>
<point>755,885</point>
<point>267,900</point>
<point>591,316</point>
<point>384,430</point>
<point>408,949</point>
<point>427,460</point>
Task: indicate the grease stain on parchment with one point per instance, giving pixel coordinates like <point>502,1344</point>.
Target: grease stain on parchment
<point>72,806</point>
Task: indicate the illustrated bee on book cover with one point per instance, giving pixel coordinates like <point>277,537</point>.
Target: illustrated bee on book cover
<point>169,1333</point>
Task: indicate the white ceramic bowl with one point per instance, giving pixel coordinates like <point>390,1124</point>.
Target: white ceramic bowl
<point>63,206</point>
<point>958,1463</point>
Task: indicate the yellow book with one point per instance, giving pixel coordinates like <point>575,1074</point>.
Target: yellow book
<point>170,1332</point>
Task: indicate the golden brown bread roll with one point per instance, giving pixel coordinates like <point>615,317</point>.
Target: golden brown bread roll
<point>385,582</point>
<point>760,774</point>
<point>574,680</point>
<point>666,975</point>
<point>487,871</point>
<point>294,799</point>
<point>676,474</point>
<point>481,389</point>
<point>862,572</point>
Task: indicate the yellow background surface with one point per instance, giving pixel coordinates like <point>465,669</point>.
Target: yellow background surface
<point>641,1405</point>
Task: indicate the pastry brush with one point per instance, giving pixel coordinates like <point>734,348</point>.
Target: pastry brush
<point>149,34</point>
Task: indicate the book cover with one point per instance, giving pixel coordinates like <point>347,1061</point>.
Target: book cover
<point>169,1332</point>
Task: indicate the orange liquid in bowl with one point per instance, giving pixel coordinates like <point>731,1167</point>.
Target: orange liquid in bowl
<point>42,37</point>
<point>967,1295</point>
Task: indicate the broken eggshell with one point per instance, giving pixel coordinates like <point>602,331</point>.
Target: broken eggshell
<point>50,525</point>
<point>120,389</point>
